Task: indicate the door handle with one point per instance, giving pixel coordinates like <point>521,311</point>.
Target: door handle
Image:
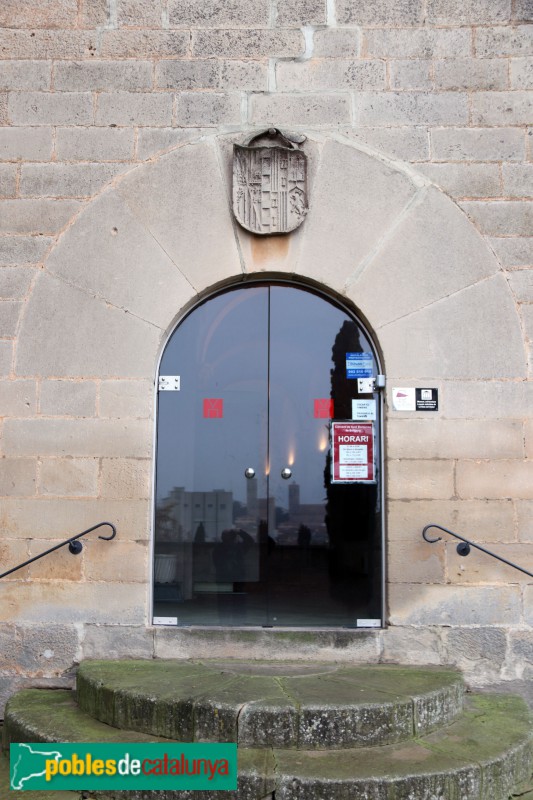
<point>249,473</point>
<point>286,473</point>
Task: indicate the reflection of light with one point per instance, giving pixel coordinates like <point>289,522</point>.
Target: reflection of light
<point>291,456</point>
<point>267,467</point>
<point>322,441</point>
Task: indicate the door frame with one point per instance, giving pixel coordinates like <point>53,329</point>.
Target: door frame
<point>269,279</point>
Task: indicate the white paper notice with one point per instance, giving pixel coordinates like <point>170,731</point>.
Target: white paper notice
<point>364,410</point>
<point>403,399</point>
<point>353,454</point>
<point>351,471</point>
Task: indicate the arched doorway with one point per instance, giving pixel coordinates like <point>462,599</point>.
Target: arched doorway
<point>268,472</point>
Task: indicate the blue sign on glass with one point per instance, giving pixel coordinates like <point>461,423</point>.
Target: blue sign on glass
<point>359,365</point>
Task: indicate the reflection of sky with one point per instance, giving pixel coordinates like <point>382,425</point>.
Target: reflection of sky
<point>221,350</point>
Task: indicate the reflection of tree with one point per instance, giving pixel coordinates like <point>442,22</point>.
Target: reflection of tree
<point>350,508</point>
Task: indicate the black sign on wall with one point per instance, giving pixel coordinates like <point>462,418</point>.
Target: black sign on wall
<point>427,399</point>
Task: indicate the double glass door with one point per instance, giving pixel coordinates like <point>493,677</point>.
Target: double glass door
<point>251,526</point>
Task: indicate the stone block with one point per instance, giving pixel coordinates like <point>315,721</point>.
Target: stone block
<point>144,44</point>
<point>208,109</point>
<point>477,144</point>
<point>126,562</point>
<point>362,197</point>
<point>451,605</point>
<point>77,437</point>
<point>405,144</point>
<point>522,285</point>
<point>60,565</point>
<point>140,13</point>
<point>251,43</point>
<point>521,652</point>
<point>94,144</point>
<point>17,476</point>
<point>524,514</point>
<point>522,11</point>
<point>187,74</point>
<point>415,562</point>
<point>411,74</point>
<point>25,75</point>
<point>410,645</point>
<point>64,602</point>
<point>243,75</point>
<point>49,108</point>
<point>122,478</point>
<point>48,14</point>
<point>65,180</point>
<point>305,109</point>
<point>25,144</point>
<point>44,649</point>
<point>454,438</point>
<point>68,398</point>
<point>18,398</point>
<point>301,12</point>
<point>337,43</point>
<point>117,641</point>
<point>479,520</point>
<point>422,479</point>
<point>380,13</point>
<point>516,40</point>
<point>16,250</point>
<point>417,42</point>
<point>426,261</point>
<point>47,44</point>
<point>95,14</point>
<point>103,76</point>
<point>152,141</point>
<point>212,14</point>
<point>522,73</point>
<point>126,399</point>
<point>479,568</point>
<point>502,108</point>
<point>465,180</point>
<point>10,684</point>
<point>518,180</point>
<point>322,74</point>
<point>6,357</point>
<point>133,108</point>
<point>499,218</point>
<point>52,517</point>
<point>527,318</point>
<point>15,282</point>
<point>123,262</point>
<point>480,652</point>
<point>64,477</point>
<point>12,553</point>
<point>471,73</point>
<point>495,479</point>
<point>9,317</point>
<point>8,180</point>
<point>491,346</point>
<point>528,426</point>
<point>412,108</point>
<point>202,260</point>
<point>468,12</point>
<point>482,400</point>
<point>515,253</point>
<point>68,333</point>
<point>36,216</point>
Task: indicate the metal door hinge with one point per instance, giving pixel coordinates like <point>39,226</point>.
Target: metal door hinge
<point>369,385</point>
<point>169,383</point>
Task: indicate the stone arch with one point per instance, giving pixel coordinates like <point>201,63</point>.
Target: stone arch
<point>377,233</point>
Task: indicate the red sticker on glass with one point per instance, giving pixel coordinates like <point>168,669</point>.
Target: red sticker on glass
<point>324,408</point>
<point>213,407</point>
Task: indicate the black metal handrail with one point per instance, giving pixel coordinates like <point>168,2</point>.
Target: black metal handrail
<point>74,546</point>
<point>463,548</point>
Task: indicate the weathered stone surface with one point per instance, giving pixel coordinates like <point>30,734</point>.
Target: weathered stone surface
<point>46,44</point>
<point>126,399</point>
<point>418,43</point>
<point>409,480</point>
<point>17,476</point>
<point>444,605</point>
<point>15,282</point>
<point>29,75</point>
<point>155,140</point>
<point>133,108</point>
<point>517,180</point>
<point>18,398</point>
<point>82,76</point>
<point>372,196</point>
<point>484,648</point>
<point>17,250</point>
<point>337,43</point>
<point>418,438</point>
<point>504,41</point>
<point>471,73</point>
<point>126,562</point>
<point>76,477</point>
<point>502,108</point>
<point>49,14</point>
<point>39,649</point>
<point>480,520</point>
<point>423,258</point>
<point>477,399</point>
<point>412,561</point>
<point>29,144</point>
<point>123,263</point>
<point>516,252</point>
<point>9,316</point>
<point>465,180</point>
<point>338,74</point>
<point>77,437</point>
<point>412,108</point>
<point>123,478</point>
<point>67,398</point>
<point>67,332</point>
<point>303,109</point>
<point>60,566</point>
<point>117,641</point>
<point>36,216</point>
<point>49,108</point>
<point>442,346</point>
<point>480,568</point>
<point>521,73</point>
<point>211,14</point>
<point>94,144</point>
<point>477,144</point>
<point>301,12</point>
<point>405,144</point>
<point>202,260</point>
<point>6,357</point>
<point>495,479</point>
<point>144,44</point>
<point>66,180</point>
<point>524,510</point>
<point>412,645</point>
<point>250,43</point>
<point>411,74</point>
<point>140,13</point>
<point>471,12</point>
<point>380,13</point>
<point>194,109</point>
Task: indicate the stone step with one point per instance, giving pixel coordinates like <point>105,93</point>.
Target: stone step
<point>480,756</point>
<point>276,704</point>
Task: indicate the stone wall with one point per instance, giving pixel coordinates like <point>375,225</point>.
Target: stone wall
<point>116,120</point>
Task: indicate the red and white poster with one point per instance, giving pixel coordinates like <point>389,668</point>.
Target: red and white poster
<point>353,452</point>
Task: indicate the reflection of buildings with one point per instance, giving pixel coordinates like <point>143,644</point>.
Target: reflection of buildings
<point>309,514</point>
<point>182,515</point>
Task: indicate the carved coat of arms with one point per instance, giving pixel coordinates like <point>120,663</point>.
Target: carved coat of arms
<point>269,184</point>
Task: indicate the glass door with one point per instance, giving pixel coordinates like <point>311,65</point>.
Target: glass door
<point>261,518</point>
